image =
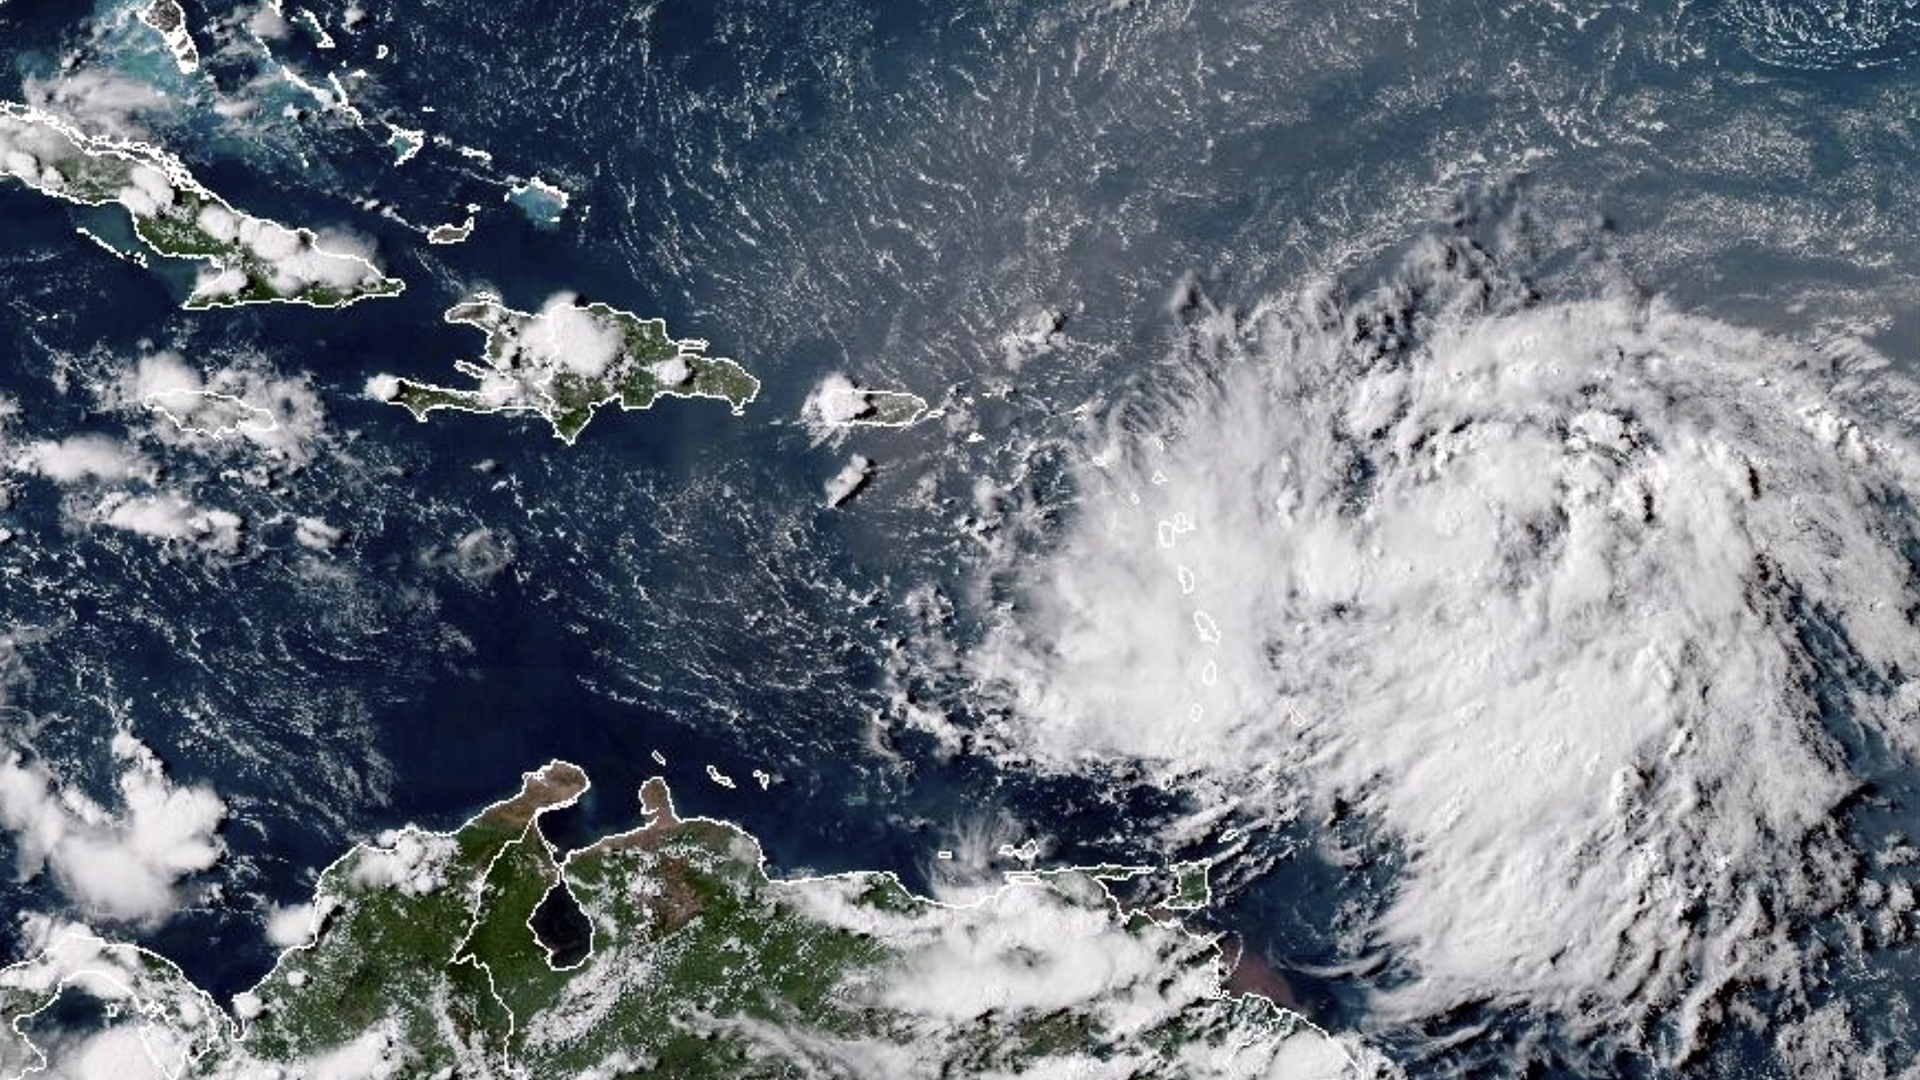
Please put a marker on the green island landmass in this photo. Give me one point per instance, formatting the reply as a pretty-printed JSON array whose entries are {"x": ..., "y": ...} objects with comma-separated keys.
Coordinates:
[
  {"x": 685, "y": 960},
  {"x": 890, "y": 408},
  {"x": 246, "y": 260},
  {"x": 569, "y": 359},
  {"x": 840, "y": 403}
]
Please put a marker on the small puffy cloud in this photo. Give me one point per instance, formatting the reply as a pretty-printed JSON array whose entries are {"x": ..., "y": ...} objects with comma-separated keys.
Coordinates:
[
  {"x": 220, "y": 281},
  {"x": 672, "y": 372},
  {"x": 849, "y": 480},
  {"x": 315, "y": 534},
  {"x": 1035, "y": 333},
  {"x": 477, "y": 557},
  {"x": 149, "y": 193},
  {"x": 267, "y": 239},
  {"x": 154, "y": 182},
  {"x": 383, "y": 387},
  {"x": 162, "y": 373},
  {"x": 219, "y": 222},
  {"x": 123, "y": 865},
  {"x": 267, "y": 24},
  {"x": 290, "y": 927},
  {"x": 344, "y": 243},
  {"x": 164, "y": 517}
]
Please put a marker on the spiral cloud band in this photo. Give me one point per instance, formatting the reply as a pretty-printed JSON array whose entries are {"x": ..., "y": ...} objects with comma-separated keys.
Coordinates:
[{"x": 1585, "y": 605}]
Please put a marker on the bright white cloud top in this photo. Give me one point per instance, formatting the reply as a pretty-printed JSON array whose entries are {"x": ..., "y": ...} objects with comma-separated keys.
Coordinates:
[
  {"x": 123, "y": 865},
  {"x": 838, "y": 403},
  {"x": 1575, "y": 604}
]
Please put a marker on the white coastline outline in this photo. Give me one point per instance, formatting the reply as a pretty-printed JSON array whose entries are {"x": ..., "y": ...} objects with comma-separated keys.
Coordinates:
[
  {"x": 235, "y": 1030},
  {"x": 689, "y": 349},
  {"x": 373, "y": 283}
]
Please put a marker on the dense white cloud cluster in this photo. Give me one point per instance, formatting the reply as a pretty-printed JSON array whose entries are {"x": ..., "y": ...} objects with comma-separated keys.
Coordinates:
[
  {"x": 80, "y": 458},
  {"x": 1051, "y": 945},
  {"x": 835, "y": 402},
  {"x": 1545, "y": 595},
  {"x": 123, "y": 865},
  {"x": 564, "y": 336}
]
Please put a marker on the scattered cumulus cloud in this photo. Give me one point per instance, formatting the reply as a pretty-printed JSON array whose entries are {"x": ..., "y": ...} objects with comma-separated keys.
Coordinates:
[
  {"x": 411, "y": 860},
  {"x": 240, "y": 405},
  {"x": 293, "y": 260},
  {"x": 155, "y": 1022}
]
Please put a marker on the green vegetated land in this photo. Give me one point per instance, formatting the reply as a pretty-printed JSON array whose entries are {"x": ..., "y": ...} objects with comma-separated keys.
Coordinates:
[
  {"x": 170, "y": 212},
  {"x": 519, "y": 376},
  {"x": 427, "y": 962},
  {"x": 892, "y": 408}
]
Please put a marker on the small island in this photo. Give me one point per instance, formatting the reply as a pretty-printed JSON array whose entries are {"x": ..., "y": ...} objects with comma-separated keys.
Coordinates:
[
  {"x": 451, "y": 233},
  {"x": 544, "y": 204},
  {"x": 246, "y": 260},
  {"x": 668, "y": 951},
  {"x": 839, "y": 403},
  {"x": 169, "y": 20},
  {"x": 569, "y": 359}
]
